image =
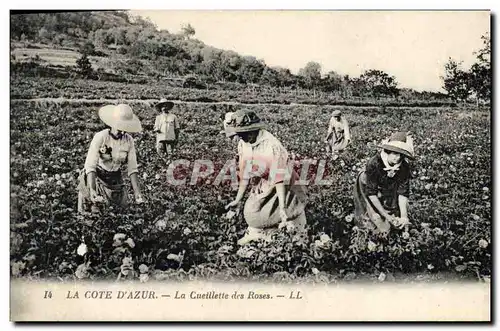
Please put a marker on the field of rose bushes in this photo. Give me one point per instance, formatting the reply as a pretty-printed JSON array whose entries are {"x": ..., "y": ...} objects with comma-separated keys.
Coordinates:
[
  {"x": 183, "y": 232},
  {"x": 44, "y": 87}
]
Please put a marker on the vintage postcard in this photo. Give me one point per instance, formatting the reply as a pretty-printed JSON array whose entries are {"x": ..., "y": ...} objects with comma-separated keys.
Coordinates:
[{"x": 289, "y": 165}]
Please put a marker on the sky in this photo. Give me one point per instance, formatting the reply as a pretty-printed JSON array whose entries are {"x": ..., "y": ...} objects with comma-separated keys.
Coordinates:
[{"x": 413, "y": 46}]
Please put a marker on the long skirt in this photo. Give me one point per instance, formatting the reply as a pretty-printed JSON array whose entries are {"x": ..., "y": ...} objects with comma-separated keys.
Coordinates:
[
  {"x": 261, "y": 209},
  {"x": 109, "y": 185},
  {"x": 365, "y": 214},
  {"x": 337, "y": 142}
]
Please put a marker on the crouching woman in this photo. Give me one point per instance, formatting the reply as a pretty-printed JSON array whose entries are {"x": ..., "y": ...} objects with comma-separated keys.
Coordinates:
[
  {"x": 381, "y": 191},
  {"x": 275, "y": 200}
]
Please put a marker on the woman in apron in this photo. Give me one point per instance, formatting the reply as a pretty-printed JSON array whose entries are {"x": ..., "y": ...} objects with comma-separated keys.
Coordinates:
[
  {"x": 110, "y": 151},
  {"x": 338, "y": 136},
  {"x": 275, "y": 200}
]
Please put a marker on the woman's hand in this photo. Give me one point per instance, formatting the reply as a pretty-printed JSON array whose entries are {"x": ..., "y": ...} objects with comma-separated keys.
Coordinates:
[
  {"x": 95, "y": 198},
  {"x": 404, "y": 222},
  {"x": 288, "y": 225},
  {"x": 232, "y": 204},
  {"x": 393, "y": 220},
  {"x": 139, "y": 199},
  {"x": 283, "y": 215},
  {"x": 285, "y": 223},
  {"x": 400, "y": 222}
]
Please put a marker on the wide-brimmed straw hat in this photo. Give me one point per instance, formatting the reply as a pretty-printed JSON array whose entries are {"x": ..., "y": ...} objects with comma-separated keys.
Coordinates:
[
  {"x": 166, "y": 103},
  {"x": 399, "y": 142},
  {"x": 336, "y": 113},
  {"x": 245, "y": 120},
  {"x": 120, "y": 117}
]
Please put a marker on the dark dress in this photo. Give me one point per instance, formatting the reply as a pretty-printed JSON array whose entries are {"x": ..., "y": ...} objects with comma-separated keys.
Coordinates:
[{"x": 374, "y": 180}]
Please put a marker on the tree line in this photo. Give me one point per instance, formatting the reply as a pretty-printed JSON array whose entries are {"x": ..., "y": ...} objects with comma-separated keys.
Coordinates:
[{"x": 474, "y": 82}]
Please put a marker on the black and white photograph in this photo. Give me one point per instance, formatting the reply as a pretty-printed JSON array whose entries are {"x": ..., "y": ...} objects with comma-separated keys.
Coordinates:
[{"x": 278, "y": 154}]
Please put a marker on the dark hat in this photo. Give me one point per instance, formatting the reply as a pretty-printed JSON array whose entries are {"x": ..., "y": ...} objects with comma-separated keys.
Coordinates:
[
  {"x": 245, "y": 120},
  {"x": 164, "y": 102}
]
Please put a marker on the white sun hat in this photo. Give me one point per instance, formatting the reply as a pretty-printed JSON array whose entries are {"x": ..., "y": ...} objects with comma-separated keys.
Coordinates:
[
  {"x": 120, "y": 117},
  {"x": 399, "y": 142}
]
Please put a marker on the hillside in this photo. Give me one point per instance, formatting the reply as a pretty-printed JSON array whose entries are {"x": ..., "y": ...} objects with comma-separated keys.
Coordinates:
[{"x": 130, "y": 49}]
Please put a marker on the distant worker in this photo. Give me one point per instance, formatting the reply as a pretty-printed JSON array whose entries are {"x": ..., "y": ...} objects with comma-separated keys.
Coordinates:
[
  {"x": 338, "y": 136},
  {"x": 167, "y": 129}
]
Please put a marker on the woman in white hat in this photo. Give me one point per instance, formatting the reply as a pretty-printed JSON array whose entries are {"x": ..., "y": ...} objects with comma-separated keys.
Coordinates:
[
  {"x": 382, "y": 189},
  {"x": 111, "y": 150},
  {"x": 274, "y": 201},
  {"x": 338, "y": 135},
  {"x": 167, "y": 128}
]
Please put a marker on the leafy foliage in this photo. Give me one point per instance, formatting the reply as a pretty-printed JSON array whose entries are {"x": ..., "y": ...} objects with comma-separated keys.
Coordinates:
[
  {"x": 84, "y": 66},
  {"x": 456, "y": 81},
  {"x": 460, "y": 84}
]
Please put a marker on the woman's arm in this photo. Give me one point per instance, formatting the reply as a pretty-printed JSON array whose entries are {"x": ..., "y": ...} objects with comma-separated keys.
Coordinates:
[
  {"x": 403, "y": 193},
  {"x": 373, "y": 175},
  {"x": 91, "y": 179},
  {"x": 132, "y": 171},
  {"x": 91, "y": 164},
  {"x": 177, "y": 128},
  {"x": 378, "y": 206},
  {"x": 134, "y": 181},
  {"x": 403, "y": 206},
  {"x": 280, "y": 189},
  {"x": 347, "y": 132},
  {"x": 157, "y": 124},
  {"x": 330, "y": 129},
  {"x": 241, "y": 192}
]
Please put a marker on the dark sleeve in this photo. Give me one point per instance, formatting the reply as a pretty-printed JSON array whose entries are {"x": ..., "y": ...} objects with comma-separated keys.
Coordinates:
[
  {"x": 372, "y": 177},
  {"x": 404, "y": 182}
]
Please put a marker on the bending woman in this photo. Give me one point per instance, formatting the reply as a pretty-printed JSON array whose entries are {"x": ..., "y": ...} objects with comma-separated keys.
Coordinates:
[
  {"x": 382, "y": 189},
  {"x": 338, "y": 136},
  {"x": 275, "y": 200},
  {"x": 110, "y": 150}
]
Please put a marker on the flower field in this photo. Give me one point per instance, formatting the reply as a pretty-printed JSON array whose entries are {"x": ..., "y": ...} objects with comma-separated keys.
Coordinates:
[
  {"x": 183, "y": 232},
  {"x": 43, "y": 87}
]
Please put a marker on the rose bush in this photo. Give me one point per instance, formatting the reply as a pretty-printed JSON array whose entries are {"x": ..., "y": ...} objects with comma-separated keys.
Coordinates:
[{"x": 183, "y": 232}]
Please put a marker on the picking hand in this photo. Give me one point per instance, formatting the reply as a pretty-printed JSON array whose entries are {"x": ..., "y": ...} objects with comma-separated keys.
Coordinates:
[
  {"x": 392, "y": 219},
  {"x": 283, "y": 215},
  {"x": 288, "y": 225},
  {"x": 139, "y": 200},
  {"x": 404, "y": 222},
  {"x": 232, "y": 204},
  {"x": 95, "y": 198}
]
